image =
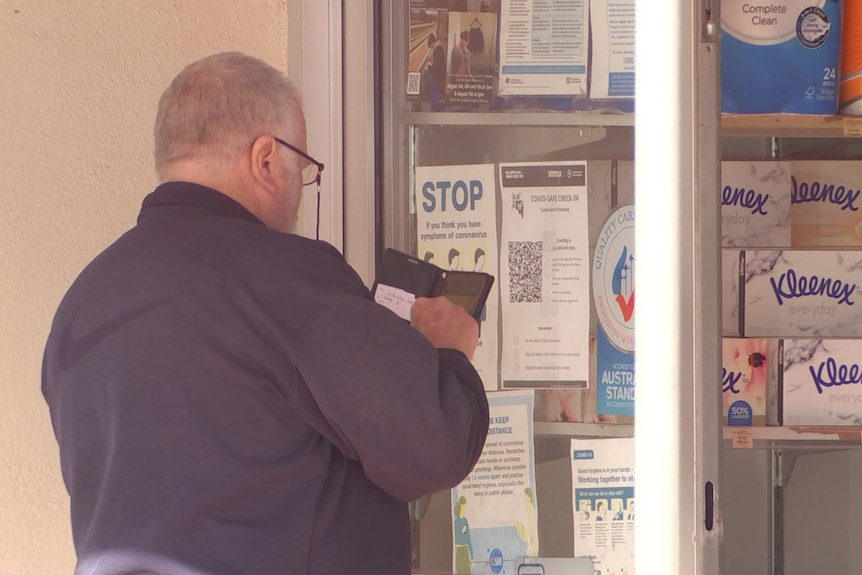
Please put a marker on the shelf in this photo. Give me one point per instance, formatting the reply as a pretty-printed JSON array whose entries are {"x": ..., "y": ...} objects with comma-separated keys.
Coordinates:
[
  {"x": 797, "y": 438},
  {"x": 790, "y": 125},
  {"x": 553, "y": 439},
  {"x": 515, "y": 118},
  {"x": 732, "y": 125},
  {"x": 581, "y": 430}
]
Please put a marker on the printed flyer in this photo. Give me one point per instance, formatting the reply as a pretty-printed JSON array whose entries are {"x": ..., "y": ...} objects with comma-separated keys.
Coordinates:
[
  {"x": 452, "y": 51},
  {"x": 494, "y": 514},
  {"x": 603, "y": 499},
  {"x": 612, "y": 69},
  {"x": 545, "y": 275},
  {"x": 544, "y": 47},
  {"x": 456, "y": 212}
]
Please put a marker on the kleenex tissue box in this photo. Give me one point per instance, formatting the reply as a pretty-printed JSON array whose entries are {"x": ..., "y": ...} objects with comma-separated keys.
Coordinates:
[
  {"x": 745, "y": 369},
  {"x": 799, "y": 293},
  {"x": 730, "y": 262},
  {"x": 755, "y": 204},
  {"x": 826, "y": 203},
  {"x": 821, "y": 382}
]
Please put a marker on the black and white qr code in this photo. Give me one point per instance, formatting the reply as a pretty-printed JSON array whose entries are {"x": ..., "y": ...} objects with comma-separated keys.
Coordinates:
[
  {"x": 525, "y": 272},
  {"x": 413, "y": 83}
]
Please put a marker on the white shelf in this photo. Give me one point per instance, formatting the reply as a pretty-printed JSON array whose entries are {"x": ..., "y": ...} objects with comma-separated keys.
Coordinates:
[
  {"x": 516, "y": 118},
  {"x": 732, "y": 125},
  {"x": 552, "y": 438},
  {"x": 582, "y": 430},
  {"x": 790, "y": 125},
  {"x": 820, "y": 438}
]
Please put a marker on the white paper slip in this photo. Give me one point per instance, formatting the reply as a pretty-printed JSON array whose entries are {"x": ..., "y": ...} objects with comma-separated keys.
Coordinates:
[{"x": 395, "y": 299}]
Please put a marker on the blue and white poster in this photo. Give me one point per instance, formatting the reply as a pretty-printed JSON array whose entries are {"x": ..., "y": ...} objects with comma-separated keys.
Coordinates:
[
  {"x": 603, "y": 499},
  {"x": 494, "y": 514},
  {"x": 456, "y": 217},
  {"x": 544, "y": 47},
  {"x": 614, "y": 298}
]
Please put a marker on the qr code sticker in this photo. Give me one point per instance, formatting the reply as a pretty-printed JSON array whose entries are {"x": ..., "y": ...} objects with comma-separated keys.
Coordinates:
[
  {"x": 525, "y": 272},
  {"x": 413, "y": 83}
]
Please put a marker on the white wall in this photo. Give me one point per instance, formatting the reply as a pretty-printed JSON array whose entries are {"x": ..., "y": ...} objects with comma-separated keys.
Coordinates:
[{"x": 79, "y": 84}]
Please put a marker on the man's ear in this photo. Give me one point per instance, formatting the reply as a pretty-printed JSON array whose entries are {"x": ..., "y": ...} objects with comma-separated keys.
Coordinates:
[{"x": 265, "y": 165}]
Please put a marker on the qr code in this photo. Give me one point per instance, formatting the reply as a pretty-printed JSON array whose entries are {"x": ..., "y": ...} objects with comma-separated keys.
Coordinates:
[
  {"x": 525, "y": 272},
  {"x": 413, "y": 83}
]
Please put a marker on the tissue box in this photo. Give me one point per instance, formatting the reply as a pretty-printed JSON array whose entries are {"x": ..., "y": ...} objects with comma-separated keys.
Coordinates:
[
  {"x": 826, "y": 204},
  {"x": 755, "y": 204},
  {"x": 730, "y": 262},
  {"x": 745, "y": 365},
  {"x": 798, "y": 293},
  {"x": 821, "y": 382}
]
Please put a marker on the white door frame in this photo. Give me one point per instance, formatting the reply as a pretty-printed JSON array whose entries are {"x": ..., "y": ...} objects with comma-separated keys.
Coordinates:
[{"x": 330, "y": 46}]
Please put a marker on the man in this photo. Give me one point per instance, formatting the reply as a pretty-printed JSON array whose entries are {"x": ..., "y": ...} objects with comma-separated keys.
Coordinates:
[
  {"x": 460, "y": 60},
  {"x": 434, "y": 75},
  {"x": 227, "y": 398}
]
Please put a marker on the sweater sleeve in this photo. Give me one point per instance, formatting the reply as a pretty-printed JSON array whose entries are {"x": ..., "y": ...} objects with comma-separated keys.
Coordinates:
[{"x": 414, "y": 416}]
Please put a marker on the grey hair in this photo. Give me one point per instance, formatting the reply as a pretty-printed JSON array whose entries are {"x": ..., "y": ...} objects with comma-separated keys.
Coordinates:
[{"x": 219, "y": 105}]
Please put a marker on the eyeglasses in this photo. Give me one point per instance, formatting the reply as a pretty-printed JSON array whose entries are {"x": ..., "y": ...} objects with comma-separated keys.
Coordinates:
[
  {"x": 310, "y": 175},
  {"x": 311, "y": 172}
]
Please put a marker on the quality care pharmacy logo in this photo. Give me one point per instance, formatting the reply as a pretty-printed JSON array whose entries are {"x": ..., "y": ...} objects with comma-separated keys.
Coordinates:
[{"x": 614, "y": 278}]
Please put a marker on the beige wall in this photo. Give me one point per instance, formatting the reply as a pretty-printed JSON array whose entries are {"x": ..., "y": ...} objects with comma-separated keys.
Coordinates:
[{"x": 79, "y": 83}]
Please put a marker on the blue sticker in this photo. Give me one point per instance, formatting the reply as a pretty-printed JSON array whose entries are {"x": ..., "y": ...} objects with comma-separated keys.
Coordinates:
[
  {"x": 496, "y": 561},
  {"x": 740, "y": 414}
]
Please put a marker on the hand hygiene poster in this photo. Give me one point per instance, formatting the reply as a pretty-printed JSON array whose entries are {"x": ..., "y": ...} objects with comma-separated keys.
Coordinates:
[
  {"x": 543, "y": 47},
  {"x": 456, "y": 209},
  {"x": 545, "y": 275},
  {"x": 603, "y": 500},
  {"x": 494, "y": 514}
]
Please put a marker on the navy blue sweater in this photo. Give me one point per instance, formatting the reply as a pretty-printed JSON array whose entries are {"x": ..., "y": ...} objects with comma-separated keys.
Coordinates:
[{"x": 228, "y": 399}]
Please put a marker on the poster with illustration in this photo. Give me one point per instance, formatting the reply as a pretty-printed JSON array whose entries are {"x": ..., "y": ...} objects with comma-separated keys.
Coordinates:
[
  {"x": 495, "y": 519},
  {"x": 603, "y": 499},
  {"x": 456, "y": 218},
  {"x": 452, "y": 51}
]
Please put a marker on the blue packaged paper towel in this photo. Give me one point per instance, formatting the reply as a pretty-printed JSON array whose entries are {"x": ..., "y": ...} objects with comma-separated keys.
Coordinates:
[{"x": 780, "y": 57}]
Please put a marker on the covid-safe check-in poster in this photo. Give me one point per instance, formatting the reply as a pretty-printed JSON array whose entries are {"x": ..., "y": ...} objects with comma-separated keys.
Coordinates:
[
  {"x": 456, "y": 219},
  {"x": 545, "y": 275}
]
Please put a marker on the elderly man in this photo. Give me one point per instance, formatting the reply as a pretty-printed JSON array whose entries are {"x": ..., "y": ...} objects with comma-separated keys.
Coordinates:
[{"x": 226, "y": 396}]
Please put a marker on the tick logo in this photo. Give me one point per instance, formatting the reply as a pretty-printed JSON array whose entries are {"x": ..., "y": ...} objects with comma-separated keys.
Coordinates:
[
  {"x": 623, "y": 284},
  {"x": 613, "y": 279}
]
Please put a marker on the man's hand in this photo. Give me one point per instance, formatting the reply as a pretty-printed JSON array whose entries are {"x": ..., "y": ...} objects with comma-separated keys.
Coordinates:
[{"x": 445, "y": 324}]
